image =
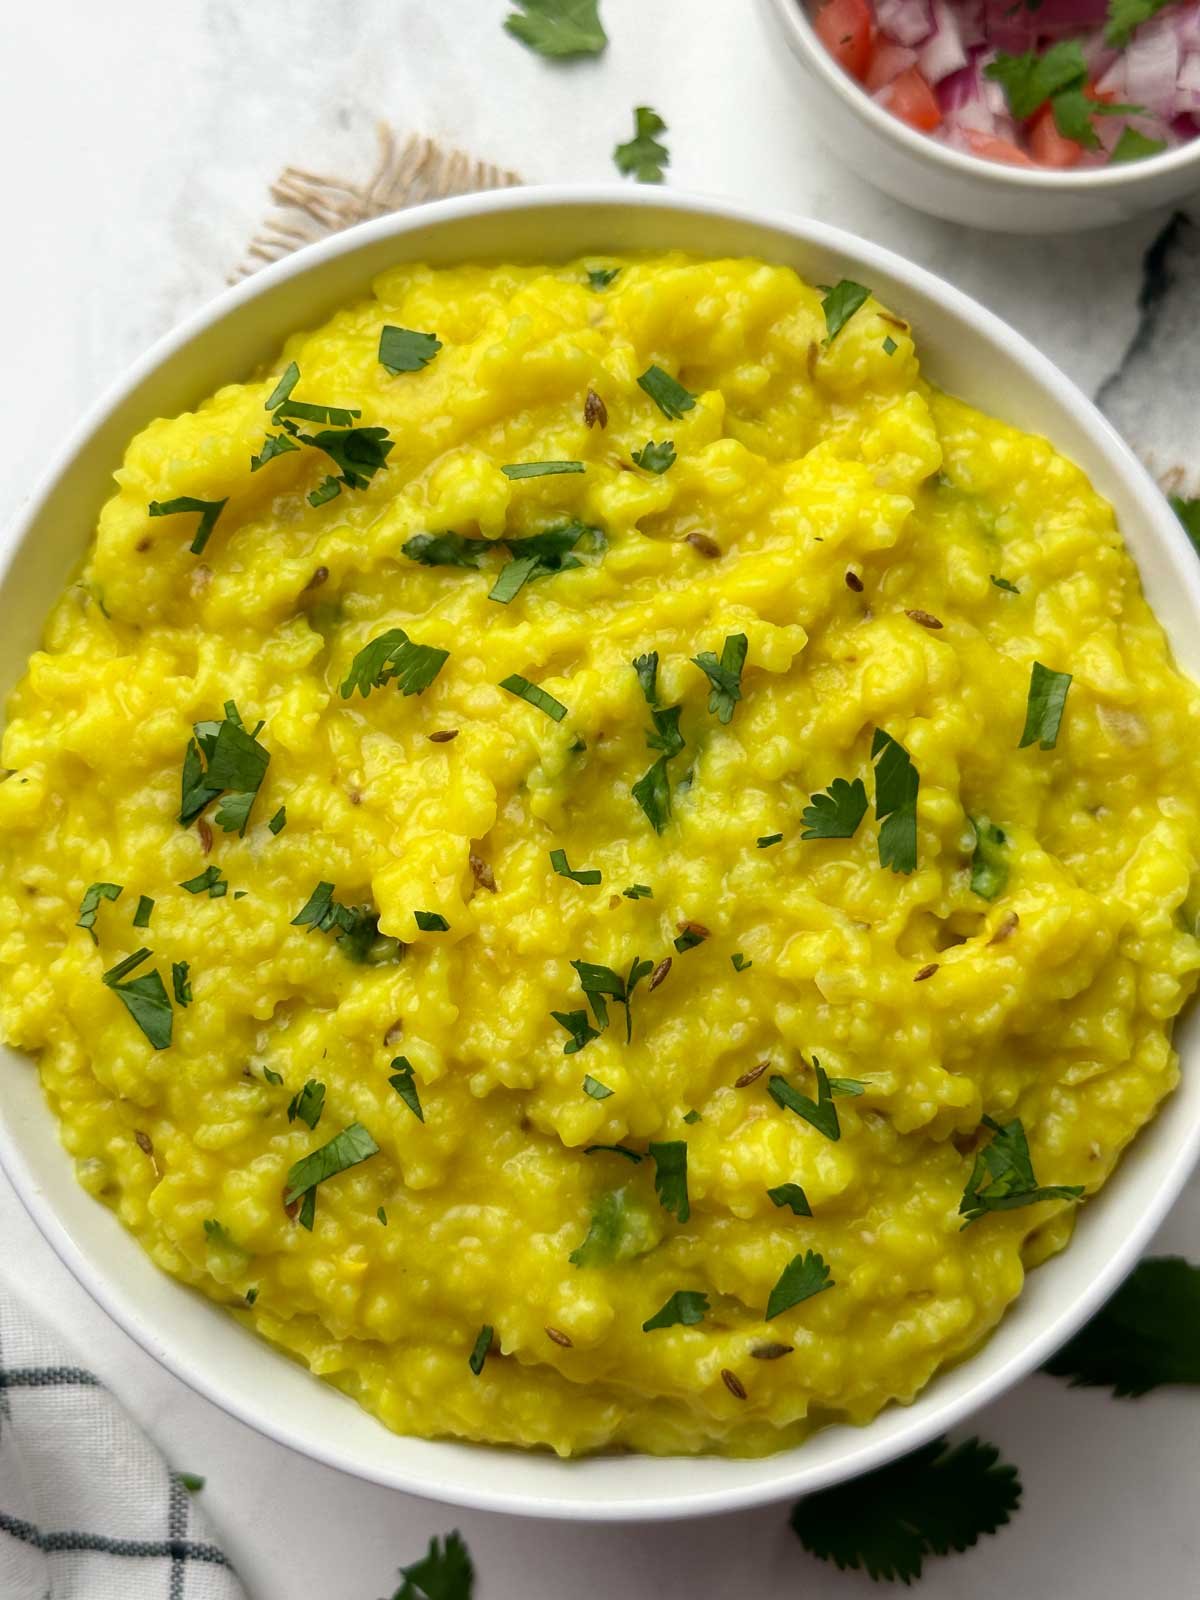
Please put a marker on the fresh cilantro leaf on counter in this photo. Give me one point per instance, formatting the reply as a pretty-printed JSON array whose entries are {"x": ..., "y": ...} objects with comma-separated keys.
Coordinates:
[
  {"x": 839, "y": 305},
  {"x": 308, "y": 1104},
  {"x": 1126, "y": 15},
  {"x": 685, "y": 1308},
  {"x": 558, "y": 860},
  {"x": 144, "y": 998},
  {"x": 209, "y": 511},
  {"x": 541, "y": 469},
  {"x": 403, "y": 350},
  {"x": 90, "y": 905},
  {"x": 897, "y": 783},
  {"x": 145, "y": 907},
  {"x": 1003, "y": 583},
  {"x": 580, "y": 1029},
  {"x": 989, "y": 863},
  {"x": 670, "y": 1176},
  {"x": 524, "y": 690},
  {"x": 600, "y": 277},
  {"x": 558, "y": 28},
  {"x": 644, "y": 156},
  {"x": 181, "y": 984},
  {"x": 209, "y": 882},
  {"x": 1044, "y": 709},
  {"x": 668, "y": 394},
  {"x": 803, "y": 1277},
  {"x": 1188, "y": 512},
  {"x": 597, "y": 1090},
  {"x": 724, "y": 675},
  {"x": 344, "y": 1150},
  {"x": 431, "y": 922},
  {"x": 1002, "y": 1178},
  {"x": 1134, "y": 146},
  {"x": 792, "y": 1196},
  {"x": 821, "y": 1112},
  {"x": 657, "y": 458},
  {"x": 836, "y": 812},
  {"x": 1148, "y": 1334},
  {"x": 403, "y": 1081},
  {"x": 478, "y": 1356},
  {"x": 394, "y": 655},
  {"x": 445, "y": 1572},
  {"x": 933, "y": 1501},
  {"x": 446, "y": 550},
  {"x": 223, "y": 758},
  {"x": 646, "y": 668}
]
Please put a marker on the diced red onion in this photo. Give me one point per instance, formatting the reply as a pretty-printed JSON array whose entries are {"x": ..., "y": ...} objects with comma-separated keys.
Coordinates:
[
  {"x": 1152, "y": 66},
  {"x": 908, "y": 22},
  {"x": 942, "y": 53},
  {"x": 887, "y": 63},
  {"x": 1187, "y": 86}
]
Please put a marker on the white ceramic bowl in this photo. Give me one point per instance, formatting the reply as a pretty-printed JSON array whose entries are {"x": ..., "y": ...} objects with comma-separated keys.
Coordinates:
[
  {"x": 963, "y": 188},
  {"x": 965, "y": 349}
]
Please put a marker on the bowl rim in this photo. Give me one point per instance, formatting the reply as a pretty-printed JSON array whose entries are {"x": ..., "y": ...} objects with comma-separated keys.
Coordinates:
[
  {"x": 793, "y": 16},
  {"x": 785, "y": 1474}
]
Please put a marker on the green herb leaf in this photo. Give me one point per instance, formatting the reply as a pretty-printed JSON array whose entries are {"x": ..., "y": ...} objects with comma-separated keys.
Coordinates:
[
  {"x": 1030, "y": 80},
  {"x": 541, "y": 469},
  {"x": 933, "y": 1501},
  {"x": 613, "y": 1150},
  {"x": 1044, "y": 709},
  {"x": 394, "y": 655},
  {"x": 344, "y": 1150},
  {"x": 644, "y": 156},
  {"x": 558, "y": 860},
  {"x": 1003, "y": 583},
  {"x": 577, "y": 1025},
  {"x": 540, "y": 556},
  {"x": 308, "y": 1104},
  {"x": 889, "y": 345},
  {"x": 692, "y": 1116},
  {"x": 652, "y": 792},
  {"x": 836, "y": 812},
  {"x": 685, "y": 1308},
  {"x": 382, "y": 1215},
  {"x": 446, "y": 550},
  {"x": 181, "y": 984},
  {"x": 724, "y": 675},
  {"x": 689, "y": 939},
  {"x": 803, "y": 1277},
  {"x": 279, "y": 821},
  {"x": 989, "y": 863},
  {"x": 1134, "y": 146},
  {"x": 620, "y": 1230},
  {"x": 897, "y": 783},
  {"x": 821, "y": 1112},
  {"x": 328, "y": 489},
  {"x": 524, "y": 690},
  {"x": 319, "y": 911},
  {"x": 657, "y": 458},
  {"x": 209, "y": 511},
  {"x": 670, "y": 1176},
  {"x": 402, "y": 350},
  {"x": 839, "y": 305},
  {"x": 358, "y": 453},
  {"x": 593, "y": 1086},
  {"x": 283, "y": 389},
  {"x": 223, "y": 756},
  {"x": 740, "y": 964},
  {"x": 141, "y": 917},
  {"x": 1002, "y": 1178},
  {"x": 90, "y": 904},
  {"x": 600, "y": 277},
  {"x": 275, "y": 444},
  {"x": 479, "y": 1353},
  {"x": 1188, "y": 512},
  {"x": 668, "y": 394},
  {"x": 666, "y": 735},
  {"x": 768, "y": 839},
  {"x": 638, "y": 891},
  {"x": 308, "y": 411},
  {"x": 189, "y": 1480},
  {"x": 444, "y": 1573},
  {"x": 431, "y": 922},
  {"x": 208, "y": 882},
  {"x": 792, "y": 1196},
  {"x": 846, "y": 1087},
  {"x": 308, "y": 1210},
  {"x": 558, "y": 28},
  {"x": 646, "y": 668},
  {"x": 404, "y": 1081},
  {"x": 1126, "y": 15},
  {"x": 1148, "y": 1334},
  {"x": 601, "y": 984},
  {"x": 144, "y": 998}
]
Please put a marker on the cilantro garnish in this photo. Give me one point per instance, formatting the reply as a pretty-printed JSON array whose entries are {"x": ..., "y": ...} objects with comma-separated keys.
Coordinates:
[
  {"x": 403, "y": 350},
  {"x": 181, "y": 984},
  {"x": 740, "y": 963},
  {"x": 766, "y": 840},
  {"x": 792, "y": 1196},
  {"x": 889, "y": 345},
  {"x": 479, "y": 1352},
  {"x": 309, "y": 411},
  {"x": 685, "y": 1308},
  {"x": 933, "y": 1501},
  {"x": 692, "y": 1116},
  {"x": 540, "y": 556},
  {"x": 382, "y": 1215},
  {"x": 839, "y": 305},
  {"x": 989, "y": 863},
  {"x": 896, "y": 785},
  {"x": 394, "y": 655},
  {"x": 638, "y": 891},
  {"x": 803, "y": 1277},
  {"x": 283, "y": 389},
  {"x": 358, "y": 454},
  {"x": 308, "y": 1104},
  {"x": 209, "y": 511},
  {"x": 1134, "y": 146},
  {"x": 1030, "y": 80},
  {"x": 580, "y": 1029},
  {"x": 279, "y": 821},
  {"x": 1148, "y": 1334},
  {"x": 1188, "y": 512},
  {"x": 558, "y": 860},
  {"x": 541, "y": 469},
  {"x": 223, "y": 759},
  {"x": 328, "y": 489},
  {"x": 657, "y": 458},
  {"x": 344, "y": 1150},
  {"x": 620, "y": 1229},
  {"x": 446, "y": 550},
  {"x": 217, "y": 1233},
  {"x": 275, "y": 444},
  {"x": 431, "y": 922},
  {"x": 670, "y": 1176},
  {"x": 445, "y": 1572},
  {"x": 666, "y": 736},
  {"x": 144, "y": 998},
  {"x": 597, "y": 1090},
  {"x": 613, "y": 1150},
  {"x": 644, "y": 156},
  {"x": 821, "y": 1112},
  {"x": 524, "y": 690},
  {"x": 724, "y": 675},
  {"x": 145, "y": 906},
  {"x": 1126, "y": 15},
  {"x": 403, "y": 1080},
  {"x": 646, "y": 668},
  {"x": 1002, "y": 1178},
  {"x": 836, "y": 812},
  {"x": 558, "y": 28},
  {"x": 652, "y": 792},
  {"x": 90, "y": 904},
  {"x": 600, "y": 277},
  {"x": 208, "y": 882},
  {"x": 668, "y": 394},
  {"x": 358, "y": 938},
  {"x": 690, "y": 937},
  {"x": 601, "y": 984},
  {"x": 1003, "y": 583},
  {"x": 1044, "y": 709}
]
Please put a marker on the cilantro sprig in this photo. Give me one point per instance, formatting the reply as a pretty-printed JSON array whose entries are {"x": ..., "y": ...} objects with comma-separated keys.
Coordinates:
[
  {"x": 644, "y": 156},
  {"x": 836, "y": 812},
  {"x": 1147, "y": 1335},
  {"x": 897, "y": 784},
  {"x": 839, "y": 305},
  {"x": 821, "y": 1112},
  {"x": 670, "y": 1177},
  {"x": 601, "y": 984},
  {"x": 558, "y": 28},
  {"x": 668, "y": 394},
  {"x": 393, "y": 655},
  {"x": 144, "y": 998},
  {"x": 405, "y": 350},
  {"x": 345, "y": 1150},
  {"x": 802, "y": 1278},
  {"x": 725, "y": 675},
  {"x": 1002, "y": 1178},
  {"x": 223, "y": 759},
  {"x": 684, "y": 1309}
]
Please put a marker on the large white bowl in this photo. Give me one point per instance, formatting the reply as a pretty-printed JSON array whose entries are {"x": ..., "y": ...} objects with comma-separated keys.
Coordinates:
[
  {"x": 965, "y": 349},
  {"x": 965, "y": 188}
]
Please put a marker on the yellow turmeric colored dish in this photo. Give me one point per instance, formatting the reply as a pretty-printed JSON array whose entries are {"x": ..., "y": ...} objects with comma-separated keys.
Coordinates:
[{"x": 596, "y": 860}]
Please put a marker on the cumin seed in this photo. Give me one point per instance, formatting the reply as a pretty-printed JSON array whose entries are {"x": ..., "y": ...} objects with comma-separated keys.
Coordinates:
[
  {"x": 560, "y": 1337},
  {"x": 144, "y": 1142},
  {"x": 1007, "y": 927},
  {"x": 703, "y": 545},
  {"x": 772, "y": 1352},
  {"x": 318, "y": 578},
  {"x": 443, "y": 736},
  {"x": 206, "y": 835},
  {"x": 733, "y": 1383},
  {"x": 748, "y": 1078},
  {"x": 697, "y": 928},
  {"x": 594, "y": 410},
  {"x": 853, "y": 581},
  {"x": 924, "y": 618},
  {"x": 926, "y": 972},
  {"x": 659, "y": 973},
  {"x": 291, "y": 1209},
  {"x": 484, "y": 876}
]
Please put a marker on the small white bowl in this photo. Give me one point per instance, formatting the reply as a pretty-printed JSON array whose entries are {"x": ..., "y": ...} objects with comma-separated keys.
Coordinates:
[
  {"x": 964, "y": 349},
  {"x": 963, "y": 188}
]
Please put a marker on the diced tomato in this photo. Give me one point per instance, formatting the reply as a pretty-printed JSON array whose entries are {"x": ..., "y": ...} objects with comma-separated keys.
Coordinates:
[
  {"x": 992, "y": 148},
  {"x": 912, "y": 100},
  {"x": 1048, "y": 147},
  {"x": 888, "y": 61},
  {"x": 844, "y": 27}
]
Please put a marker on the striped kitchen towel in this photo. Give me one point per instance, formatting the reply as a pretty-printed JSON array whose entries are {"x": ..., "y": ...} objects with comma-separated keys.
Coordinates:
[{"x": 89, "y": 1510}]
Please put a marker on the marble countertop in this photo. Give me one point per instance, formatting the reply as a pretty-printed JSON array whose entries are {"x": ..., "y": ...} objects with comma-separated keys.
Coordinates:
[{"x": 142, "y": 142}]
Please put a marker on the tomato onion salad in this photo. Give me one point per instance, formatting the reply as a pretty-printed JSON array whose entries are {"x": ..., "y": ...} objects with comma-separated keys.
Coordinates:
[{"x": 1033, "y": 83}]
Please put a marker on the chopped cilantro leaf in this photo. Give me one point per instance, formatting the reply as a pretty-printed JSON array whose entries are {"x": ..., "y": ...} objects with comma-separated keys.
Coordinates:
[
  {"x": 724, "y": 675},
  {"x": 144, "y": 998},
  {"x": 792, "y": 1196},
  {"x": 1044, "y": 709},
  {"x": 597, "y": 1090},
  {"x": 541, "y": 469},
  {"x": 382, "y": 1215},
  {"x": 601, "y": 984},
  {"x": 431, "y": 922},
  {"x": 889, "y": 345},
  {"x": 652, "y": 792},
  {"x": 620, "y": 1230},
  {"x": 685, "y": 1308},
  {"x": 403, "y": 1080},
  {"x": 933, "y": 1501},
  {"x": 1030, "y": 80},
  {"x": 646, "y": 668},
  {"x": 1003, "y": 583},
  {"x": 90, "y": 904},
  {"x": 1002, "y": 1178},
  {"x": 182, "y": 986},
  {"x": 1126, "y": 15},
  {"x": 821, "y": 1112},
  {"x": 328, "y": 489},
  {"x": 275, "y": 444},
  {"x": 740, "y": 963},
  {"x": 897, "y": 783},
  {"x": 670, "y": 1176},
  {"x": 540, "y": 556},
  {"x": 803, "y": 1277},
  {"x": 209, "y": 511},
  {"x": 638, "y": 891},
  {"x": 279, "y": 821},
  {"x": 657, "y": 458},
  {"x": 836, "y": 812},
  {"x": 189, "y": 1480},
  {"x": 577, "y": 1025},
  {"x": 308, "y": 1104},
  {"x": 222, "y": 756},
  {"x": 145, "y": 906},
  {"x": 358, "y": 453},
  {"x": 479, "y": 1352},
  {"x": 600, "y": 277},
  {"x": 989, "y": 863},
  {"x": 1133, "y": 146},
  {"x": 644, "y": 156},
  {"x": 403, "y": 350},
  {"x": 839, "y": 305},
  {"x": 307, "y": 411},
  {"x": 1148, "y": 1334},
  {"x": 558, "y": 860},
  {"x": 218, "y": 1234},
  {"x": 524, "y": 690},
  {"x": 691, "y": 1116},
  {"x": 690, "y": 938},
  {"x": 446, "y": 550},
  {"x": 208, "y": 882},
  {"x": 612, "y": 1150},
  {"x": 394, "y": 655},
  {"x": 666, "y": 736},
  {"x": 557, "y": 28},
  {"x": 668, "y": 394},
  {"x": 344, "y": 1150},
  {"x": 1188, "y": 512},
  {"x": 283, "y": 389},
  {"x": 766, "y": 840},
  {"x": 358, "y": 938}
]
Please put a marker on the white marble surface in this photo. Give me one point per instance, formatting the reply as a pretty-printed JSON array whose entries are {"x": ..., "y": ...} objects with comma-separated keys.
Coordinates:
[{"x": 140, "y": 140}]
